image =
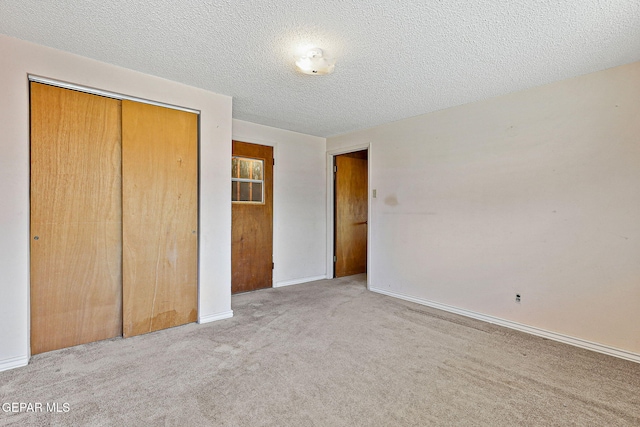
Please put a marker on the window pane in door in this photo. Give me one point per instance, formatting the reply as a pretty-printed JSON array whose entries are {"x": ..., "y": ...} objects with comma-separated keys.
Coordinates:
[
  {"x": 257, "y": 169},
  {"x": 245, "y": 189},
  {"x": 234, "y": 167},
  {"x": 247, "y": 177},
  {"x": 235, "y": 194},
  {"x": 256, "y": 192},
  {"x": 244, "y": 168}
]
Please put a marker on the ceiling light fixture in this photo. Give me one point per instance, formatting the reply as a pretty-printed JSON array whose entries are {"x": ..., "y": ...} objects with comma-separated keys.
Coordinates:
[{"x": 314, "y": 62}]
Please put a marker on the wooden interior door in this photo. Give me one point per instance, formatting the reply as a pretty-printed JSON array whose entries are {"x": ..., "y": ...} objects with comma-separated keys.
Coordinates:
[
  {"x": 252, "y": 217},
  {"x": 160, "y": 217},
  {"x": 76, "y": 235},
  {"x": 351, "y": 210}
]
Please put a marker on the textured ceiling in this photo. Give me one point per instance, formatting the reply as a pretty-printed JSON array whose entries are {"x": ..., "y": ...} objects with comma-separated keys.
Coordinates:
[{"x": 395, "y": 59}]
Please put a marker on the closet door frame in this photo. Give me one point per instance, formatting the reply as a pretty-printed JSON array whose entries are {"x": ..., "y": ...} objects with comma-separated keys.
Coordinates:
[{"x": 118, "y": 96}]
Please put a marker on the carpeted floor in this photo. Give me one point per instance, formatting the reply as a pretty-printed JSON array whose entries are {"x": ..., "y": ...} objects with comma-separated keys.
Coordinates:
[{"x": 327, "y": 353}]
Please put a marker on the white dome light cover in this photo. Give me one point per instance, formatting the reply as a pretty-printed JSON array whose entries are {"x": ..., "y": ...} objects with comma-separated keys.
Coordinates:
[{"x": 313, "y": 62}]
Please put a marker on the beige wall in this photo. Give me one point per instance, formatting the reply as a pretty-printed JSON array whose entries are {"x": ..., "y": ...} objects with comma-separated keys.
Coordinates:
[
  {"x": 20, "y": 58},
  {"x": 536, "y": 192}
]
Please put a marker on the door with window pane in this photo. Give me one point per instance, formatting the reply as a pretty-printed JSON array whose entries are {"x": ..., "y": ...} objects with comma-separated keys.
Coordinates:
[{"x": 252, "y": 217}]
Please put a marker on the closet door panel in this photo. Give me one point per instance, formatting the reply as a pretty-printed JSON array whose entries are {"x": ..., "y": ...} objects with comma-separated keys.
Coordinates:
[
  {"x": 76, "y": 234},
  {"x": 160, "y": 216}
]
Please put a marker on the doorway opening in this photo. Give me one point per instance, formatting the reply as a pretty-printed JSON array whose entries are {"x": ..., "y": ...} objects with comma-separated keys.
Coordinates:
[{"x": 350, "y": 213}]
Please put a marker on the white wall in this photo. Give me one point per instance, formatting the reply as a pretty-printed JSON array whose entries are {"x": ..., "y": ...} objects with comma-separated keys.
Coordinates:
[
  {"x": 536, "y": 192},
  {"x": 20, "y": 58},
  {"x": 299, "y": 222}
]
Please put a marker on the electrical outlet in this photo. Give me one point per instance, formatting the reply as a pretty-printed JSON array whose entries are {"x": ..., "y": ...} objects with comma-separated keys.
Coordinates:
[{"x": 518, "y": 298}]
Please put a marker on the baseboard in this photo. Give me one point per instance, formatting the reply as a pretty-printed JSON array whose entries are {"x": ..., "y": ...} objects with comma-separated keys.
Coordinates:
[
  {"x": 298, "y": 281},
  {"x": 14, "y": 362},
  {"x": 213, "y": 317},
  {"x": 577, "y": 342}
]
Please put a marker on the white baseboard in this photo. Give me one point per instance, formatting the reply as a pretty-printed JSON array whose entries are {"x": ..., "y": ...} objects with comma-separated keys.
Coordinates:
[
  {"x": 213, "y": 317},
  {"x": 14, "y": 362},
  {"x": 298, "y": 281},
  {"x": 577, "y": 342}
]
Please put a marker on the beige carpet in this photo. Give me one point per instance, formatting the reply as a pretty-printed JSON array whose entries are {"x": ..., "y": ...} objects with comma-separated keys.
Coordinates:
[{"x": 327, "y": 353}]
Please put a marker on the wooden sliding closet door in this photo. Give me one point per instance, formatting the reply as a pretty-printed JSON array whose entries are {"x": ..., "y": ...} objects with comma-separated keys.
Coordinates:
[
  {"x": 76, "y": 230},
  {"x": 159, "y": 217}
]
